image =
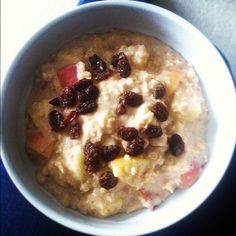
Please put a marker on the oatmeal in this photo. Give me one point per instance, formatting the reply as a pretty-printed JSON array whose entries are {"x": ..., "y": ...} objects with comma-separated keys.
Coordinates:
[{"x": 116, "y": 122}]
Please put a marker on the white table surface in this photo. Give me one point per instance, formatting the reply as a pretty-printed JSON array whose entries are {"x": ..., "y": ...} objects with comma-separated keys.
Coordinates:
[{"x": 20, "y": 19}]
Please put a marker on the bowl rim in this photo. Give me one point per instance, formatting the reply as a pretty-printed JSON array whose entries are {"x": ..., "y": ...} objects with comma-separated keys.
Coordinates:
[{"x": 39, "y": 205}]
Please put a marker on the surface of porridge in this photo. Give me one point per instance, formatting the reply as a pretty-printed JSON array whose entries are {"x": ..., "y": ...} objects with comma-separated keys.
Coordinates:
[{"x": 116, "y": 122}]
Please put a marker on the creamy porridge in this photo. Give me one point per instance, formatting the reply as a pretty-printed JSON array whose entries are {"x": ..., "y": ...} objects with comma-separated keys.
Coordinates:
[{"x": 116, "y": 122}]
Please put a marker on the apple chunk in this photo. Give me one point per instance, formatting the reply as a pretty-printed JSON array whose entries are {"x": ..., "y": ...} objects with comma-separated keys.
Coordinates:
[{"x": 38, "y": 143}]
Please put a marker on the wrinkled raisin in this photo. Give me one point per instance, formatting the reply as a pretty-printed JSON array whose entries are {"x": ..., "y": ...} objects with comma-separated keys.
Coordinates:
[
  {"x": 152, "y": 131},
  {"x": 135, "y": 147},
  {"x": 127, "y": 133},
  {"x": 123, "y": 67},
  {"x": 89, "y": 93},
  {"x": 82, "y": 84},
  {"x": 92, "y": 157},
  {"x": 68, "y": 97},
  {"x": 121, "y": 109},
  {"x": 121, "y": 64},
  {"x": 159, "y": 91},
  {"x": 176, "y": 145},
  {"x": 107, "y": 180},
  {"x": 69, "y": 118},
  {"x": 96, "y": 65},
  {"x": 160, "y": 111},
  {"x": 109, "y": 153},
  {"x": 132, "y": 99},
  {"x": 74, "y": 131},
  {"x": 86, "y": 107},
  {"x": 55, "y": 119},
  {"x": 117, "y": 57},
  {"x": 55, "y": 101},
  {"x": 102, "y": 76},
  {"x": 92, "y": 165}
]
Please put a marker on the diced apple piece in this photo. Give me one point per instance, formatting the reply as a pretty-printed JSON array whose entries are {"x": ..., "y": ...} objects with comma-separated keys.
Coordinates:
[
  {"x": 174, "y": 79},
  {"x": 138, "y": 55},
  {"x": 190, "y": 177},
  {"x": 128, "y": 169},
  {"x": 67, "y": 75},
  {"x": 149, "y": 199},
  {"x": 39, "y": 144},
  {"x": 74, "y": 160},
  {"x": 186, "y": 105}
]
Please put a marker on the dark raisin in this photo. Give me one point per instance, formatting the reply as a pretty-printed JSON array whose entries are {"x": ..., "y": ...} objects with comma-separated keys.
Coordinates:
[
  {"x": 102, "y": 76},
  {"x": 69, "y": 118},
  {"x": 121, "y": 109},
  {"x": 92, "y": 165},
  {"x": 82, "y": 84},
  {"x": 107, "y": 180},
  {"x": 123, "y": 67},
  {"x": 135, "y": 147},
  {"x": 152, "y": 131},
  {"x": 86, "y": 107},
  {"x": 160, "y": 111},
  {"x": 74, "y": 130},
  {"x": 109, "y": 153},
  {"x": 55, "y": 101},
  {"x": 96, "y": 65},
  {"x": 117, "y": 57},
  {"x": 176, "y": 145},
  {"x": 127, "y": 133},
  {"x": 89, "y": 93},
  {"x": 132, "y": 99},
  {"x": 55, "y": 120},
  {"x": 68, "y": 97},
  {"x": 159, "y": 91},
  {"x": 92, "y": 157}
]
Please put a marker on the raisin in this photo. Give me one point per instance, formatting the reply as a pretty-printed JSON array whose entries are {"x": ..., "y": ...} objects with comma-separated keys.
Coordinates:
[
  {"x": 107, "y": 180},
  {"x": 102, "y": 76},
  {"x": 96, "y": 65},
  {"x": 83, "y": 84},
  {"x": 92, "y": 166},
  {"x": 109, "y": 153},
  {"x": 135, "y": 147},
  {"x": 121, "y": 109},
  {"x": 152, "y": 131},
  {"x": 127, "y": 133},
  {"x": 92, "y": 157},
  {"x": 86, "y": 107},
  {"x": 121, "y": 64},
  {"x": 90, "y": 93},
  {"x": 68, "y": 97},
  {"x": 176, "y": 145},
  {"x": 55, "y": 120},
  {"x": 69, "y": 118},
  {"x": 117, "y": 57},
  {"x": 74, "y": 131},
  {"x": 160, "y": 111},
  {"x": 55, "y": 101},
  {"x": 123, "y": 67},
  {"x": 159, "y": 91},
  {"x": 132, "y": 99}
]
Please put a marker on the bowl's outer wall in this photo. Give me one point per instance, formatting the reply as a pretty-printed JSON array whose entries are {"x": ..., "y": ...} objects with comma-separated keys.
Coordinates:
[{"x": 99, "y": 17}]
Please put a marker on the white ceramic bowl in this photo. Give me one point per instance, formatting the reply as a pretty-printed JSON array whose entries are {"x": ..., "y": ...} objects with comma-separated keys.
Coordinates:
[{"x": 144, "y": 18}]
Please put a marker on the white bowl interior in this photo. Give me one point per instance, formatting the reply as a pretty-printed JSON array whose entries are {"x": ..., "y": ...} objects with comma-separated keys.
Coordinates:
[{"x": 139, "y": 17}]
